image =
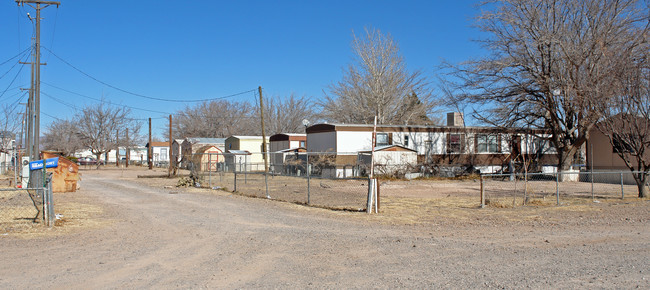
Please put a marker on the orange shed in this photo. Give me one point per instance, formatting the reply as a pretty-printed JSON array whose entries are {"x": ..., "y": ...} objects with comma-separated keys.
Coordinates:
[{"x": 64, "y": 176}]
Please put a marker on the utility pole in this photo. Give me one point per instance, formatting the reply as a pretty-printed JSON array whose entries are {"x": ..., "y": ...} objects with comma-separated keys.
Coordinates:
[
  {"x": 117, "y": 149},
  {"x": 266, "y": 159},
  {"x": 171, "y": 166},
  {"x": 149, "y": 149},
  {"x": 128, "y": 150},
  {"x": 36, "y": 81}
]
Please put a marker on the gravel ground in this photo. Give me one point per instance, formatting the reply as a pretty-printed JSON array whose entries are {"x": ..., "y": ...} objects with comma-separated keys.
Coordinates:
[{"x": 118, "y": 232}]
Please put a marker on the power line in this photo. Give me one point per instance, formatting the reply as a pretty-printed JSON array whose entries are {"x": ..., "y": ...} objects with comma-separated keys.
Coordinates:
[
  {"x": 13, "y": 80},
  {"x": 100, "y": 100},
  {"x": 141, "y": 95},
  {"x": 17, "y": 55},
  {"x": 61, "y": 101}
]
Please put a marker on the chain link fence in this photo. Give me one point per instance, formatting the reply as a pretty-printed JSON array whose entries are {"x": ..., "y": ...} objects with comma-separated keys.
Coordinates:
[
  {"x": 510, "y": 190},
  {"x": 25, "y": 207},
  {"x": 297, "y": 177}
]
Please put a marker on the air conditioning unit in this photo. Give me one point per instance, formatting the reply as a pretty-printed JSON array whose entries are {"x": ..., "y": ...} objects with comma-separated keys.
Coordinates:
[{"x": 24, "y": 162}]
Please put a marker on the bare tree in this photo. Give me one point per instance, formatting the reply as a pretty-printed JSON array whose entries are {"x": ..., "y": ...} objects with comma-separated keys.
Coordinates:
[
  {"x": 285, "y": 115},
  {"x": 378, "y": 84},
  {"x": 61, "y": 135},
  {"x": 216, "y": 119},
  {"x": 9, "y": 126},
  {"x": 98, "y": 125},
  {"x": 551, "y": 63},
  {"x": 627, "y": 123}
]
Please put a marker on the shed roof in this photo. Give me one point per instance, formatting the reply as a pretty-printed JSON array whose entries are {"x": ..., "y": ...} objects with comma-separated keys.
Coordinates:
[
  {"x": 239, "y": 152},
  {"x": 199, "y": 140},
  {"x": 390, "y": 148},
  {"x": 158, "y": 144},
  {"x": 288, "y": 136}
]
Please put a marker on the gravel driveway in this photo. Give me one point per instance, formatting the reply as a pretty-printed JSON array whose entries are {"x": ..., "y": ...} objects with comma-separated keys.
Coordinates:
[{"x": 149, "y": 237}]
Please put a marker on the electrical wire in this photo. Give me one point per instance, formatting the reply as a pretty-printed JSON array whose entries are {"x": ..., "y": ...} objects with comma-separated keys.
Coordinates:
[
  {"x": 12, "y": 81},
  {"x": 15, "y": 56},
  {"x": 60, "y": 101},
  {"x": 100, "y": 100},
  {"x": 141, "y": 95},
  {"x": 56, "y": 18}
]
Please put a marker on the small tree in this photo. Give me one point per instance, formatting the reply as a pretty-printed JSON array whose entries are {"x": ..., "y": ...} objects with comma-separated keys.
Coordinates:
[{"x": 627, "y": 124}]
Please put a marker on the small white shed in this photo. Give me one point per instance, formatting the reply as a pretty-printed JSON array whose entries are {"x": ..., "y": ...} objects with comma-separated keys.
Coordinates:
[{"x": 390, "y": 159}]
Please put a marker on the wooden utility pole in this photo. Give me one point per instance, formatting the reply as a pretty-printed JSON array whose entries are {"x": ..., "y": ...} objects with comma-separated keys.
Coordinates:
[
  {"x": 171, "y": 164},
  {"x": 34, "y": 134},
  {"x": 117, "y": 148},
  {"x": 149, "y": 149},
  {"x": 266, "y": 159},
  {"x": 128, "y": 153}
]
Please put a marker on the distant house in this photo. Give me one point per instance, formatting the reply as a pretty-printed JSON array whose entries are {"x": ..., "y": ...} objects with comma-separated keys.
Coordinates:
[
  {"x": 285, "y": 151},
  {"x": 250, "y": 144},
  {"x": 160, "y": 152},
  {"x": 284, "y": 141},
  {"x": 603, "y": 156},
  {"x": 487, "y": 149}
]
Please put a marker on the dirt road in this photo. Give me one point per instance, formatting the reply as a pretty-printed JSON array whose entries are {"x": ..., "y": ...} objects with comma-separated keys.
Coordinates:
[{"x": 150, "y": 237}]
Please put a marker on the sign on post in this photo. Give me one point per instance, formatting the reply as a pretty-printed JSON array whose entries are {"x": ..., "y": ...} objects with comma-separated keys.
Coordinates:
[{"x": 49, "y": 163}]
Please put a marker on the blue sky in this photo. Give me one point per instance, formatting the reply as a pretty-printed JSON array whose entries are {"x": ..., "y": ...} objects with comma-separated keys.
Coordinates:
[{"x": 209, "y": 49}]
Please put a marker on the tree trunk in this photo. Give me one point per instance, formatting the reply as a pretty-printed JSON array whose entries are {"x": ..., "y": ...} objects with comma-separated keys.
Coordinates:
[
  {"x": 642, "y": 183},
  {"x": 564, "y": 166}
]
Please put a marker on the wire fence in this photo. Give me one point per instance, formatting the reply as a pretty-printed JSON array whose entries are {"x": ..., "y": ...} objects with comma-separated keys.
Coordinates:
[
  {"x": 510, "y": 190},
  {"x": 25, "y": 207},
  {"x": 302, "y": 179},
  {"x": 340, "y": 180}
]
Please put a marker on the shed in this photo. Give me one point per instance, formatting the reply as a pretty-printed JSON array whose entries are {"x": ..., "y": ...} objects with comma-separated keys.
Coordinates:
[
  {"x": 390, "y": 159},
  {"x": 208, "y": 158},
  {"x": 65, "y": 175}
]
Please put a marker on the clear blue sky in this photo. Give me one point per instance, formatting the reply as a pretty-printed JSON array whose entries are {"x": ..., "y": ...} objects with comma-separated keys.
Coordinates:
[{"x": 208, "y": 49}]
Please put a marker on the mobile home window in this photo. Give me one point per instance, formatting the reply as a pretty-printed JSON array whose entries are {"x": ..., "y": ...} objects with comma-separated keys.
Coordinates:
[
  {"x": 487, "y": 143},
  {"x": 406, "y": 141},
  {"x": 455, "y": 143},
  {"x": 382, "y": 139}
]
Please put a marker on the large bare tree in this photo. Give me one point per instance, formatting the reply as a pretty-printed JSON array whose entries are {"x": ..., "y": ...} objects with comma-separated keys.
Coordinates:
[
  {"x": 216, "y": 119},
  {"x": 61, "y": 135},
  {"x": 551, "y": 62},
  {"x": 378, "y": 83},
  {"x": 98, "y": 126},
  {"x": 285, "y": 115}
]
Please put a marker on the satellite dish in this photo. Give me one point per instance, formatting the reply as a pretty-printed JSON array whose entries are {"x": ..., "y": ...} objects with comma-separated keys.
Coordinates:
[{"x": 305, "y": 122}]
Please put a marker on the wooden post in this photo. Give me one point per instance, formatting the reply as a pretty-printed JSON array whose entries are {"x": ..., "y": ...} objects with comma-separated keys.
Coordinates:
[
  {"x": 171, "y": 167},
  {"x": 117, "y": 149},
  {"x": 482, "y": 193},
  {"x": 128, "y": 153},
  {"x": 266, "y": 161},
  {"x": 149, "y": 150}
]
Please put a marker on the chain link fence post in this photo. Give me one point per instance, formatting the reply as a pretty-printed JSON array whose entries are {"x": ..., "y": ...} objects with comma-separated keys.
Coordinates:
[
  {"x": 622, "y": 190},
  {"x": 557, "y": 187}
]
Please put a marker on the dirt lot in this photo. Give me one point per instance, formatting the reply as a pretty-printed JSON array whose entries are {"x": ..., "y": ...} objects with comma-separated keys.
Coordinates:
[{"x": 119, "y": 231}]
